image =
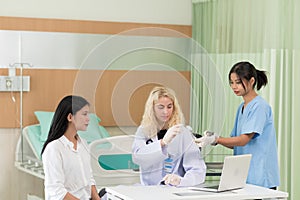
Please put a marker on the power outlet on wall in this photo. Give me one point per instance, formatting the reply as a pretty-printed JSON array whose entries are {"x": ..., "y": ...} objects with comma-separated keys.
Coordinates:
[
  {"x": 8, "y": 84},
  {"x": 13, "y": 83}
]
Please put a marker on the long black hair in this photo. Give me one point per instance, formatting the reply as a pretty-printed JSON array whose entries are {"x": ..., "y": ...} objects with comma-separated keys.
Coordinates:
[
  {"x": 68, "y": 105},
  {"x": 246, "y": 70}
]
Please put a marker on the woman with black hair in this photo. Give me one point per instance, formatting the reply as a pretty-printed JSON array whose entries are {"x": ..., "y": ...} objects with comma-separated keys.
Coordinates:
[
  {"x": 66, "y": 157},
  {"x": 254, "y": 131}
]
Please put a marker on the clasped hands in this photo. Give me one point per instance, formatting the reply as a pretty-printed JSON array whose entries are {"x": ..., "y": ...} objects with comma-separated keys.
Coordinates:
[
  {"x": 172, "y": 179},
  {"x": 208, "y": 138}
]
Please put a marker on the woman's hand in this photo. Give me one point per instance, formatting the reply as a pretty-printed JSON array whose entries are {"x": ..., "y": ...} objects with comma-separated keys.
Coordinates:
[
  {"x": 208, "y": 138},
  {"x": 171, "y": 134},
  {"x": 172, "y": 179},
  {"x": 95, "y": 195}
]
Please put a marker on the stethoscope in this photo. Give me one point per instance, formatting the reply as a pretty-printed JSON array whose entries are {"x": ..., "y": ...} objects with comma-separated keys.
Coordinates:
[
  {"x": 149, "y": 141},
  {"x": 160, "y": 135}
]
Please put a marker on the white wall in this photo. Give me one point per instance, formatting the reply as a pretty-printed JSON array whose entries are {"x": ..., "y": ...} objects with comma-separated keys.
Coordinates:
[
  {"x": 14, "y": 184},
  {"x": 144, "y": 11}
]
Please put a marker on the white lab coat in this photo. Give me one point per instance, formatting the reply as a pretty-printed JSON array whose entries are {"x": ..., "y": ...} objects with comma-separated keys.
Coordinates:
[{"x": 187, "y": 160}]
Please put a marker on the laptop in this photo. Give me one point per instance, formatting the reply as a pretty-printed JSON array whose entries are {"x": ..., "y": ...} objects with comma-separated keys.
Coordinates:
[{"x": 234, "y": 174}]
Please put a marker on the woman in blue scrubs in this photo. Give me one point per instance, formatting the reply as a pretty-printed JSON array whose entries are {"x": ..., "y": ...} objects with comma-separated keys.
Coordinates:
[
  {"x": 253, "y": 132},
  {"x": 163, "y": 147}
]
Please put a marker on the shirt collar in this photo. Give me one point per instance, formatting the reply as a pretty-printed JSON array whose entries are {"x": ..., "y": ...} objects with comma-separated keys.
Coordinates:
[{"x": 67, "y": 143}]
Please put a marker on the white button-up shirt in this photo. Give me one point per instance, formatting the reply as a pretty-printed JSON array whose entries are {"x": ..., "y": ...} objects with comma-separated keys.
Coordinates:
[{"x": 67, "y": 169}]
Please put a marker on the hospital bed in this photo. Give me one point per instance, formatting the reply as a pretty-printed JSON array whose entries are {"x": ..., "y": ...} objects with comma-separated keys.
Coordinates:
[
  {"x": 31, "y": 141},
  {"x": 28, "y": 150},
  {"x": 110, "y": 156},
  {"x": 112, "y": 161}
]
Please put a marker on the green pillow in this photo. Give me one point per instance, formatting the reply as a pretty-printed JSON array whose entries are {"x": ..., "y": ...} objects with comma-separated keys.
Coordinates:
[
  {"x": 104, "y": 132},
  {"x": 45, "y": 119},
  {"x": 94, "y": 130},
  {"x": 34, "y": 132}
]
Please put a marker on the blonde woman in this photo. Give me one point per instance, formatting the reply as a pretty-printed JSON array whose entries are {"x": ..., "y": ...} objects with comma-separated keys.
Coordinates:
[{"x": 163, "y": 147}]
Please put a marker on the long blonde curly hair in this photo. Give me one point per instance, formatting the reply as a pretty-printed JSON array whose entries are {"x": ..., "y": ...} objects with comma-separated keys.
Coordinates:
[{"x": 149, "y": 121}]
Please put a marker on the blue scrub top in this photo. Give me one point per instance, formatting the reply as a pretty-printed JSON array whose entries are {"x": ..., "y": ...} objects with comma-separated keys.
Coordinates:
[{"x": 257, "y": 117}]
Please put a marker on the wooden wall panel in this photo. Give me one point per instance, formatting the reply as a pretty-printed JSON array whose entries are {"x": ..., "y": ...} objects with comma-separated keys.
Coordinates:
[
  {"x": 98, "y": 27},
  {"x": 117, "y": 96},
  {"x": 121, "y": 95},
  {"x": 47, "y": 87}
]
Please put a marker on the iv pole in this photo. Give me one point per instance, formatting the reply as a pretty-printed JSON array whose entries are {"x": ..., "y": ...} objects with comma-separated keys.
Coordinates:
[{"x": 14, "y": 65}]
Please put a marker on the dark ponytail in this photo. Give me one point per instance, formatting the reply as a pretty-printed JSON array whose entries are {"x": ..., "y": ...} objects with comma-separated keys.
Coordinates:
[{"x": 262, "y": 79}]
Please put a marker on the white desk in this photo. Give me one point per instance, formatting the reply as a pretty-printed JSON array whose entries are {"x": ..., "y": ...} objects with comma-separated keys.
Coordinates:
[{"x": 168, "y": 193}]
